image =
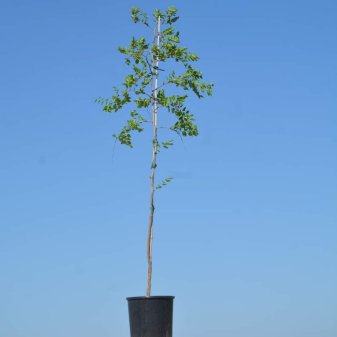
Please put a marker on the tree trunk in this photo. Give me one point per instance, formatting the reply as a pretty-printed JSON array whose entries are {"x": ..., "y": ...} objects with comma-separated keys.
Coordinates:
[{"x": 154, "y": 161}]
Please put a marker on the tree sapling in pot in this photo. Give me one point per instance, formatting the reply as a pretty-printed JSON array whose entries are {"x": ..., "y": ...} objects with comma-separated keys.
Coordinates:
[{"x": 161, "y": 75}]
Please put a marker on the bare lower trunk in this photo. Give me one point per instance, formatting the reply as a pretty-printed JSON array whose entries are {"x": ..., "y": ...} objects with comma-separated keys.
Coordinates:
[{"x": 153, "y": 165}]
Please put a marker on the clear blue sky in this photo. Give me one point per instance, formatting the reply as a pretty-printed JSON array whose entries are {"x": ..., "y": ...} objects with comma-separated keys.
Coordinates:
[{"x": 245, "y": 236}]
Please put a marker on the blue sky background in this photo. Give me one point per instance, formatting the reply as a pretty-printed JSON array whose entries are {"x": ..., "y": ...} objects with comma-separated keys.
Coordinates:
[{"x": 246, "y": 234}]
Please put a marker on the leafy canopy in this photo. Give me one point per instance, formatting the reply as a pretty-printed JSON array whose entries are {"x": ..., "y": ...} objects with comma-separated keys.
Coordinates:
[{"x": 137, "y": 90}]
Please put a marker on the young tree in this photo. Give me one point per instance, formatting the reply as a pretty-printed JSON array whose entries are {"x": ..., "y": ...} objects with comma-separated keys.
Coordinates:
[{"x": 141, "y": 90}]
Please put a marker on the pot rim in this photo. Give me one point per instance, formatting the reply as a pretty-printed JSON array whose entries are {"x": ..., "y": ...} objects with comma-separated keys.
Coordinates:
[{"x": 135, "y": 298}]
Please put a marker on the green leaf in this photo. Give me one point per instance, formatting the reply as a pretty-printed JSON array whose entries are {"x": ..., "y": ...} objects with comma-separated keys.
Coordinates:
[
  {"x": 142, "y": 102},
  {"x": 134, "y": 14},
  {"x": 171, "y": 10},
  {"x": 157, "y": 13},
  {"x": 168, "y": 31},
  {"x": 129, "y": 81},
  {"x": 174, "y": 38},
  {"x": 123, "y": 50},
  {"x": 163, "y": 183},
  {"x": 167, "y": 144}
]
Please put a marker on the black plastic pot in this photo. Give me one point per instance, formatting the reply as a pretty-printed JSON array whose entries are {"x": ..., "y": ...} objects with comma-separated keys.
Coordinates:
[{"x": 151, "y": 316}]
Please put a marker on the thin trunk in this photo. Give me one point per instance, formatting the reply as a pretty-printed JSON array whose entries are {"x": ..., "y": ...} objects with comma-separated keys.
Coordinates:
[{"x": 153, "y": 165}]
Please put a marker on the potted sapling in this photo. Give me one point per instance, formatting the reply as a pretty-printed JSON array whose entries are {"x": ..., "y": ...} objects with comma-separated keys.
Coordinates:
[{"x": 162, "y": 74}]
